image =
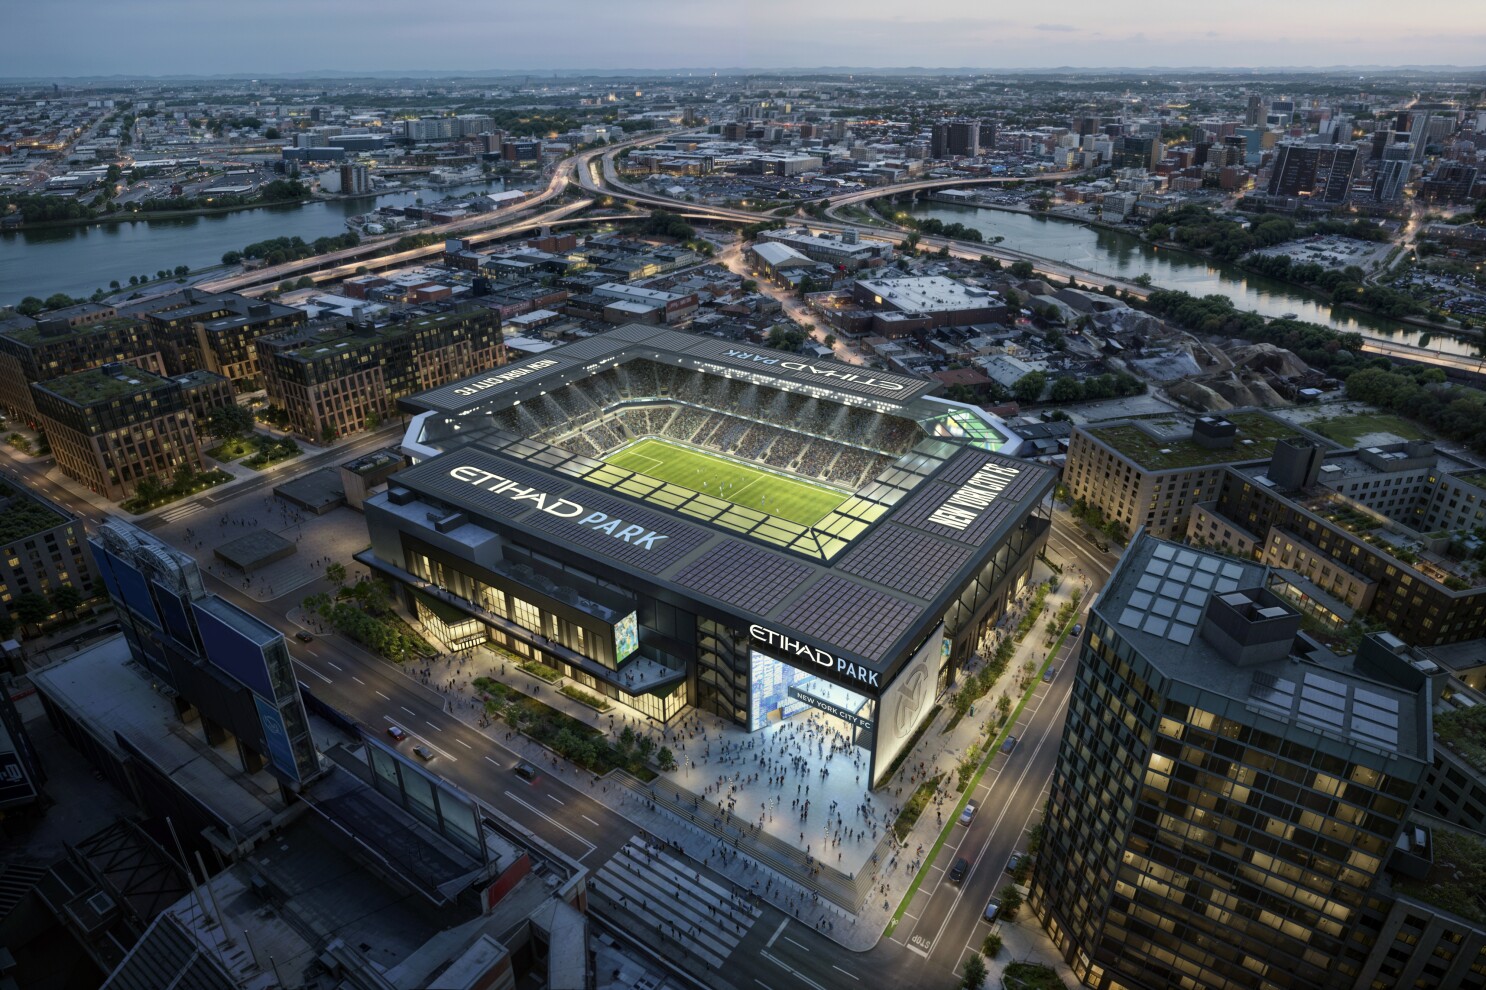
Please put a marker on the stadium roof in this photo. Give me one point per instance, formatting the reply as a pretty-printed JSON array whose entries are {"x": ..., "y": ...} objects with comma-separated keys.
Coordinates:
[
  {"x": 897, "y": 576},
  {"x": 501, "y": 387},
  {"x": 867, "y": 583}
]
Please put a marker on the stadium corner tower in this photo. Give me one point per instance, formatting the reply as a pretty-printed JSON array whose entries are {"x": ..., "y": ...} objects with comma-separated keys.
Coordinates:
[{"x": 670, "y": 520}]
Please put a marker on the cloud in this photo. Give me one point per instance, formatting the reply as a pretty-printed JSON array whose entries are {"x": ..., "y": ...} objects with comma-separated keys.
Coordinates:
[{"x": 1056, "y": 27}]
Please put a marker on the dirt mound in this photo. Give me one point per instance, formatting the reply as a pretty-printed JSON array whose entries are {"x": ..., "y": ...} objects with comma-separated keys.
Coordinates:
[{"x": 1267, "y": 358}]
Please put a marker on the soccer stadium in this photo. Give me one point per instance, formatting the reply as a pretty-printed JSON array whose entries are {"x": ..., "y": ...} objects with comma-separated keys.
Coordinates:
[{"x": 673, "y": 520}]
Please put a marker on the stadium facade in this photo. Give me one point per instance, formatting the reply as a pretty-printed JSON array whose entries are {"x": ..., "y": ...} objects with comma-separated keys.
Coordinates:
[{"x": 515, "y": 527}]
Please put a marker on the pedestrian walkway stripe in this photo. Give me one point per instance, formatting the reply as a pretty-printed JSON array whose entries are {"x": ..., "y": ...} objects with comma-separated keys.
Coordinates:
[{"x": 665, "y": 894}]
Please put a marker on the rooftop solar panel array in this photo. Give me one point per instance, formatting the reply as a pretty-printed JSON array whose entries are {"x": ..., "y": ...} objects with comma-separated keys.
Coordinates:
[
  {"x": 1173, "y": 590},
  {"x": 744, "y": 575},
  {"x": 872, "y": 623},
  {"x": 1332, "y": 705},
  {"x": 904, "y": 560},
  {"x": 680, "y": 539}
]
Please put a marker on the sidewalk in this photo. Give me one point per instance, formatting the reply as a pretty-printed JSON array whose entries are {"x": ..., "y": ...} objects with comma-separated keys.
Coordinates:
[{"x": 739, "y": 851}]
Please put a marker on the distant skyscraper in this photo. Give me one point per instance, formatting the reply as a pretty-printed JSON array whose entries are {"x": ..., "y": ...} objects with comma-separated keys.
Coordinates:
[
  {"x": 1321, "y": 173},
  {"x": 1220, "y": 811},
  {"x": 1254, "y": 115},
  {"x": 956, "y": 139},
  {"x": 1392, "y": 174}
]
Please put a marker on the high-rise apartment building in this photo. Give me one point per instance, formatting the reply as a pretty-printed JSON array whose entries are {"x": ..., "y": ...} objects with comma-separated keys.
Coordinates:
[
  {"x": 956, "y": 139},
  {"x": 1221, "y": 808},
  {"x": 1319, "y": 173},
  {"x": 334, "y": 379},
  {"x": 113, "y": 426},
  {"x": 1138, "y": 152},
  {"x": 1450, "y": 183}
]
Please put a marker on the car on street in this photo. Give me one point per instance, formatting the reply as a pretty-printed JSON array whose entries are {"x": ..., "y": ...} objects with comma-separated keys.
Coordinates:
[
  {"x": 993, "y": 909},
  {"x": 1049, "y": 674},
  {"x": 968, "y": 815},
  {"x": 1013, "y": 862},
  {"x": 303, "y": 637},
  {"x": 424, "y": 753},
  {"x": 958, "y": 871},
  {"x": 526, "y": 771},
  {"x": 1009, "y": 744},
  {"x": 396, "y": 733},
  {"x": 1078, "y": 629}
]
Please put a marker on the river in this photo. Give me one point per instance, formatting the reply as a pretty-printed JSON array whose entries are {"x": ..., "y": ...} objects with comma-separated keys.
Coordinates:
[
  {"x": 77, "y": 260},
  {"x": 1122, "y": 255}
]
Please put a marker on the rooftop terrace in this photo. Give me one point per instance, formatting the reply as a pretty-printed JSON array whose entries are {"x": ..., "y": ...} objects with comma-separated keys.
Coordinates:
[
  {"x": 1257, "y": 433},
  {"x": 105, "y": 384},
  {"x": 36, "y": 334},
  {"x": 1457, "y": 877},
  {"x": 21, "y": 515}
]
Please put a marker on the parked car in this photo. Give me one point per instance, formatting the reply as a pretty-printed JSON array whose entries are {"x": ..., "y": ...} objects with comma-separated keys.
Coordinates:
[
  {"x": 424, "y": 753},
  {"x": 1009, "y": 744},
  {"x": 1049, "y": 674},
  {"x": 1014, "y": 862},
  {"x": 1078, "y": 629},
  {"x": 526, "y": 771},
  {"x": 958, "y": 871},
  {"x": 968, "y": 815},
  {"x": 396, "y": 733},
  {"x": 993, "y": 909},
  {"x": 303, "y": 636}
]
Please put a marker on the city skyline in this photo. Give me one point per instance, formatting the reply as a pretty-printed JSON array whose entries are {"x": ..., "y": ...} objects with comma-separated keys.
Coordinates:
[{"x": 176, "y": 38}]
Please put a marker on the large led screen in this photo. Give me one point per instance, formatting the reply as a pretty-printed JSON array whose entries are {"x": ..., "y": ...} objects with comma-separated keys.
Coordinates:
[
  {"x": 233, "y": 652},
  {"x": 626, "y": 637},
  {"x": 906, "y": 702},
  {"x": 276, "y": 738}
]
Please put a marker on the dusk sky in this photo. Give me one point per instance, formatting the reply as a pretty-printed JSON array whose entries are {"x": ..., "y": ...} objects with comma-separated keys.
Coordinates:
[{"x": 164, "y": 37}]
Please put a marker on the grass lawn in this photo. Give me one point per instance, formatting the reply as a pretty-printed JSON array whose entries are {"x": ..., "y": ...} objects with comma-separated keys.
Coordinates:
[
  {"x": 1348, "y": 429},
  {"x": 231, "y": 450},
  {"x": 789, "y": 498},
  {"x": 1256, "y": 437}
]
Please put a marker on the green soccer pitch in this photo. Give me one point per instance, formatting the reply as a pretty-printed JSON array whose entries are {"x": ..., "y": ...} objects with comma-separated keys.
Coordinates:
[{"x": 789, "y": 498}]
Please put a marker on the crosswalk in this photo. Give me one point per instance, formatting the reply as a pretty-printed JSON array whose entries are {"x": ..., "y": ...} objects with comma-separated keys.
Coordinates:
[
  {"x": 653, "y": 886},
  {"x": 181, "y": 511}
]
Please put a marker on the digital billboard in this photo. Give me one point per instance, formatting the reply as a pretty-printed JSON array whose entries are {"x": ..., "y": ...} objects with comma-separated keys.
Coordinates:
[
  {"x": 769, "y": 684},
  {"x": 105, "y": 568},
  {"x": 626, "y": 637},
  {"x": 232, "y": 649},
  {"x": 276, "y": 738},
  {"x": 177, "y": 620},
  {"x": 906, "y": 702},
  {"x": 134, "y": 590}
]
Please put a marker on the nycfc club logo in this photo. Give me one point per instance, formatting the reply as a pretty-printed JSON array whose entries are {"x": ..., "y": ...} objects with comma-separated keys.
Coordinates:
[{"x": 912, "y": 694}]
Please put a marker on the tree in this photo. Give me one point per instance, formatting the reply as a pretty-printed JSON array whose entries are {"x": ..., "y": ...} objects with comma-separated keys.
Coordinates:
[
  {"x": 31, "y": 609},
  {"x": 1028, "y": 388},
  {"x": 1066, "y": 389},
  {"x": 991, "y": 947},
  {"x": 1022, "y": 269},
  {"x": 830, "y": 340},
  {"x": 65, "y": 599},
  {"x": 973, "y": 975},
  {"x": 271, "y": 134},
  {"x": 666, "y": 759},
  {"x": 1011, "y": 901},
  {"x": 230, "y": 421},
  {"x": 336, "y": 572},
  {"x": 750, "y": 285}
]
